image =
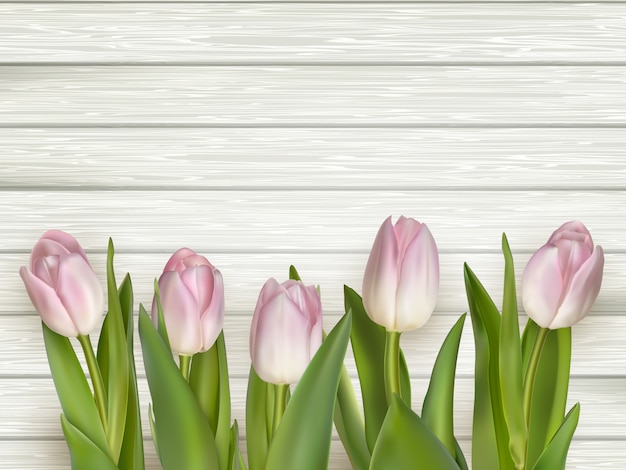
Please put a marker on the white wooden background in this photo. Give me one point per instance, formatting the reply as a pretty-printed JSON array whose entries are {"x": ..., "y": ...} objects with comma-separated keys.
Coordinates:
[{"x": 264, "y": 134}]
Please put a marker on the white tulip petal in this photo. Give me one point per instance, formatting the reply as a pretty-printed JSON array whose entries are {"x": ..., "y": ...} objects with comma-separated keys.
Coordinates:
[{"x": 542, "y": 285}]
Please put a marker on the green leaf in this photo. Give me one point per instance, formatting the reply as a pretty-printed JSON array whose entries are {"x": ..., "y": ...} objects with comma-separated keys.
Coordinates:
[
  {"x": 257, "y": 426},
  {"x": 222, "y": 435},
  {"x": 114, "y": 362},
  {"x": 204, "y": 382},
  {"x": 406, "y": 443},
  {"x": 295, "y": 445},
  {"x": 72, "y": 388},
  {"x": 235, "y": 459},
  {"x": 549, "y": 396},
  {"x": 161, "y": 328},
  {"x": 460, "y": 458},
  {"x": 489, "y": 432},
  {"x": 437, "y": 411},
  {"x": 184, "y": 435},
  {"x": 554, "y": 456},
  {"x": 131, "y": 455},
  {"x": 368, "y": 345},
  {"x": 83, "y": 452},
  {"x": 349, "y": 424},
  {"x": 511, "y": 378},
  {"x": 293, "y": 273}
]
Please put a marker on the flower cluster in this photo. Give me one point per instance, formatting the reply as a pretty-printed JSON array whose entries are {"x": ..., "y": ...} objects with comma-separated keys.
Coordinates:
[{"x": 190, "y": 414}]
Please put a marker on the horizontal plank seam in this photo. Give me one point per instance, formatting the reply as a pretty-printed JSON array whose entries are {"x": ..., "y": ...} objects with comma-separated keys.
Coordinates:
[{"x": 343, "y": 63}]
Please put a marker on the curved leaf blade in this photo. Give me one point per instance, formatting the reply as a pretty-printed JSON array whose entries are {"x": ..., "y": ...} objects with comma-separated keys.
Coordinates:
[
  {"x": 406, "y": 443},
  {"x": 204, "y": 382},
  {"x": 313, "y": 401},
  {"x": 83, "y": 452},
  {"x": 554, "y": 456},
  {"x": 437, "y": 411},
  {"x": 257, "y": 426}
]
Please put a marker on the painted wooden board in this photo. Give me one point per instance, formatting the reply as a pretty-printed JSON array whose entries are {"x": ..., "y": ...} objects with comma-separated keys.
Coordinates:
[
  {"x": 176, "y": 158},
  {"x": 312, "y": 33},
  {"x": 313, "y": 221},
  {"x": 598, "y": 347},
  {"x": 288, "y": 96},
  {"x": 245, "y": 273}
]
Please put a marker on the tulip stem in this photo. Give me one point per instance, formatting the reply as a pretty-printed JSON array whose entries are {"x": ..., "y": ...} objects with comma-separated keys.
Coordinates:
[
  {"x": 531, "y": 371},
  {"x": 185, "y": 365},
  {"x": 280, "y": 402},
  {"x": 96, "y": 378},
  {"x": 392, "y": 365}
]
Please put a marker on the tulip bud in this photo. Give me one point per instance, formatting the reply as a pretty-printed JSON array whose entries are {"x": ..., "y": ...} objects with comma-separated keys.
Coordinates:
[
  {"x": 562, "y": 279},
  {"x": 401, "y": 281},
  {"x": 192, "y": 297},
  {"x": 286, "y": 330},
  {"x": 62, "y": 285}
]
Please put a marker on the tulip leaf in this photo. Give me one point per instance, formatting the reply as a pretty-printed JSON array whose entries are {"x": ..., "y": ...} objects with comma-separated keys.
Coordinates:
[
  {"x": 406, "y": 443},
  {"x": 405, "y": 380},
  {"x": 184, "y": 435},
  {"x": 511, "y": 378},
  {"x": 368, "y": 345},
  {"x": 72, "y": 388},
  {"x": 293, "y": 273},
  {"x": 114, "y": 362},
  {"x": 235, "y": 459},
  {"x": 349, "y": 424},
  {"x": 303, "y": 437},
  {"x": 554, "y": 456},
  {"x": 460, "y": 458},
  {"x": 161, "y": 328},
  {"x": 222, "y": 436},
  {"x": 131, "y": 455},
  {"x": 83, "y": 452},
  {"x": 204, "y": 382},
  {"x": 257, "y": 426},
  {"x": 489, "y": 432},
  {"x": 549, "y": 396},
  {"x": 437, "y": 411}
]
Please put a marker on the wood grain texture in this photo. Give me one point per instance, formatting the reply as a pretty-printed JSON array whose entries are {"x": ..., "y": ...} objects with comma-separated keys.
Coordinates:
[
  {"x": 312, "y": 158},
  {"x": 312, "y": 33},
  {"x": 317, "y": 95},
  {"x": 598, "y": 347},
  {"x": 293, "y": 221}
]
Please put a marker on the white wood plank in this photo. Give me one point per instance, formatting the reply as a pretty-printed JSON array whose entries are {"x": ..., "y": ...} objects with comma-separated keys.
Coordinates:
[
  {"x": 318, "y": 95},
  {"x": 312, "y": 33},
  {"x": 312, "y": 158},
  {"x": 244, "y": 275},
  {"x": 292, "y": 221},
  {"x": 598, "y": 346},
  {"x": 31, "y": 407}
]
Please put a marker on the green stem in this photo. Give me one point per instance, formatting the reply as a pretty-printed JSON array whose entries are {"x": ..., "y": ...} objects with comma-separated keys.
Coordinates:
[
  {"x": 96, "y": 379},
  {"x": 531, "y": 371},
  {"x": 280, "y": 402},
  {"x": 185, "y": 365},
  {"x": 392, "y": 365}
]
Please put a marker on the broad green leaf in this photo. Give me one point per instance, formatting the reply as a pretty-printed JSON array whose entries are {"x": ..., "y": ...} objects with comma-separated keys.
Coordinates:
[
  {"x": 84, "y": 454},
  {"x": 349, "y": 424},
  {"x": 222, "y": 435},
  {"x": 554, "y": 456},
  {"x": 257, "y": 426},
  {"x": 131, "y": 455},
  {"x": 204, "y": 382},
  {"x": 437, "y": 412},
  {"x": 303, "y": 437},
  {"x": 511, "y": 378},
  {"x": 489, "y": 432},
  {"x": 72, "y": 388},
  {"x": 185, "y": 439},
  {"x": 406, "y": 443},
  {"x": 114, "y": 362},
  {"x": 368, "y": 345},
  {"x": 549, "y": 396}
]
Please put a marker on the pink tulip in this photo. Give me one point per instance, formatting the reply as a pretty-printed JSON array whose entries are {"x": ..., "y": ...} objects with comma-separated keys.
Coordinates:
[
  {"x": 401, "y": 281},
  {"x": 62, "y": 285},
  {"x": 192, "y": 297},
  {"x": 562, "y": 280},
  {"x": 286, "y": 331}
]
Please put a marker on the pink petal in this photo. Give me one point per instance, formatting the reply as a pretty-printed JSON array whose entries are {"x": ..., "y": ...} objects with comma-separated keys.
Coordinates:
[
  {"x": 406, "y": 230},
  {"x": 199, "y": 280},
  {"x": 571, "y": 257},
  {"x": 175, "y": 261},
  {"x": 542, "y": 285},
  {"x": 181, "y": 315},
  {"x": 80, "y": 292},
  {"x": 572, "y": 230},
  {"x": 45, "y": 248},
  {"x": 48, "y": 305},
  {"x": 381, "y": 277},
  {"x": 47, "y": 269},
  {"x": 212, "y": 319},
  {"x": 66, "y": 240},
  {"x": 418, "y": 285},
  {"x": 582, "y": 292}
]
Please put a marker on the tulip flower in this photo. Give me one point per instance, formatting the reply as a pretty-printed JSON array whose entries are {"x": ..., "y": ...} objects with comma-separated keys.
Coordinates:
[
  {"x": 62, "y": 285},
  {"x": 562, "y": 279},
  {"x": 286, "y": 330},
  {"x": 401, "y": 281},
  {"x": 192, "y": 297}
]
